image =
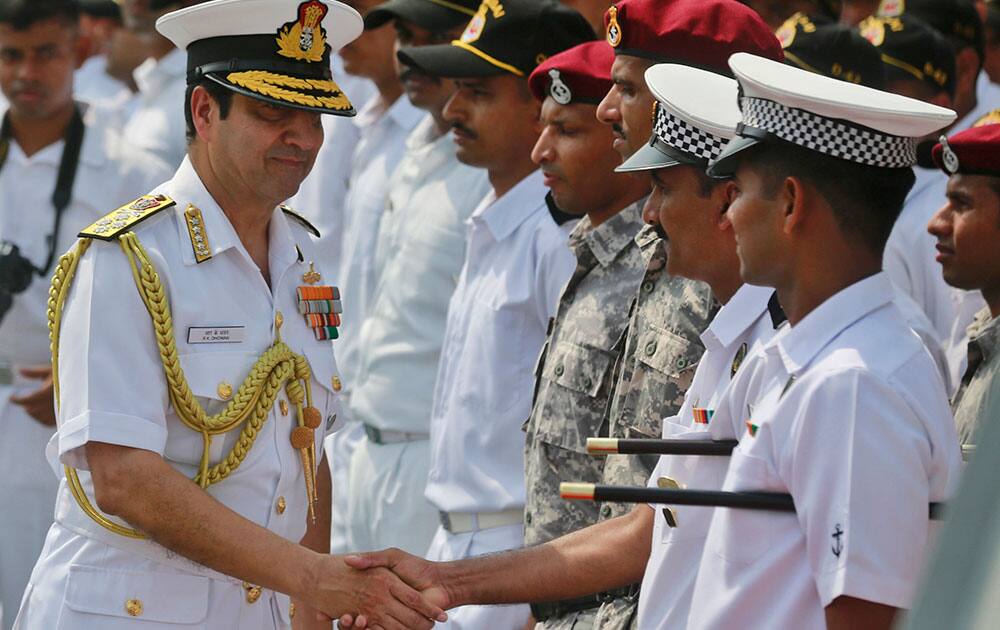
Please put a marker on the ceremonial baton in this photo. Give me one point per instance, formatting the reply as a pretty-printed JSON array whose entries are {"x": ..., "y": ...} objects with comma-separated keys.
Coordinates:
[
  {"x": 609, "y": 446},
  {"x": 771, "y": 501}
]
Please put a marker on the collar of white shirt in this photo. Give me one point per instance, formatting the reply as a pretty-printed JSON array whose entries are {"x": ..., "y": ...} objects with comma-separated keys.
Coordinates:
[
  {"x": 504, "y": 215},
  {"x": 402, "y": 113},
  {"x": 187, "y": 189},
  {"x": 737, "y": 316},
  {"x": 92, "y": 152},
  {"x": 806, "y": 339},
  {"x": 153, "y": 75},
  {"x": 610, "y": 238}
]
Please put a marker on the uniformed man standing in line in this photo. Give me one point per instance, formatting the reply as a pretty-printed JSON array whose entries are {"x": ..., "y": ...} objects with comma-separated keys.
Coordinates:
[
  {"x": 852, "y": 419},
  {"x": 59, "y": 172},
  {"x": 697, "y": 114},
  {"x": 153, "y": 122},
  {"x": 193, "y": 376},
  {"x": 661, "y": 348},
  {"x": 573, "y": 375},
  {"x": 966, "y": 229}
]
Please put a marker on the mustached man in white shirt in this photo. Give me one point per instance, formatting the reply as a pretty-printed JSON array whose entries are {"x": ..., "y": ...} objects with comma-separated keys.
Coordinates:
[
  {"x": 695, "y": 117},
  {"x": 416, "y": 263},
  {"x": 516, "y": 265},
  {"x": 852, "y": 420},
  {"x": 59, "y": 172}
]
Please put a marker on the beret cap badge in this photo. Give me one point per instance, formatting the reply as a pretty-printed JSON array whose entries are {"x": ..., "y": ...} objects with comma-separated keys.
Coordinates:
[
  {"x": 559, "y": 91},
  {"x": 948, "y": 157},
  {"x": 614, "y": 31}
]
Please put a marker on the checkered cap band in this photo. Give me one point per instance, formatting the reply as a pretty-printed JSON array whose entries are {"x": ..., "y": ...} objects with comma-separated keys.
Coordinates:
[
  {"x": 829, "y": 136},
  {"x": 680, "y": 135}
]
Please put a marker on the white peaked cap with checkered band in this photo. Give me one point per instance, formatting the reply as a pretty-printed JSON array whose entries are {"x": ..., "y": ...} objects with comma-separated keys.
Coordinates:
[
  {"x": 696, "y": 116},
  {"x": 836, "y": 118}
]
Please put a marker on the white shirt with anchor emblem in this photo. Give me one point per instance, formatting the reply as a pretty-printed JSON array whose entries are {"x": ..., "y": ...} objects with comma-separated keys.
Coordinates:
[
  {"x": 746, "y": 322},
  {"x": 852, "y": 421},
  {"x": 113, "y": 390}
]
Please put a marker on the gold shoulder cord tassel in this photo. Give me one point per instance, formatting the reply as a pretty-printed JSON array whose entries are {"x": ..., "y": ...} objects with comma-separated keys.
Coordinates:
[{"x": 250, "y": 407}]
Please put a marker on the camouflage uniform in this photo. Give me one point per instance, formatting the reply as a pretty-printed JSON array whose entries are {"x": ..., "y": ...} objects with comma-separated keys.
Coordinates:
[
  {"x": 972, "y": 398},
  {"x": 573, "y": 384},
  {"x": 661, "y": 351}
]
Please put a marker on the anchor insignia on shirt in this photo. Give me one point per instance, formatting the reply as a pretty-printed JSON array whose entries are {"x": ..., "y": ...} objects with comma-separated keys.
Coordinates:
[{"x": 838, "y": 544}]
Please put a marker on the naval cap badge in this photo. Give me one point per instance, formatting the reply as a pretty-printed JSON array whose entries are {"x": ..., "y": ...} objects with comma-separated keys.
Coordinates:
[{"x": 559, "y": 91}]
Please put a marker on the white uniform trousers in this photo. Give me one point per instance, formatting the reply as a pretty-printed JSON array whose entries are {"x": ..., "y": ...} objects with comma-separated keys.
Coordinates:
[
  {"x": 387, "y": 507},
  {"x": 95, "y": 586},
  {"x": 27, "y": 495},
  {"x": 447, "y": 546}
]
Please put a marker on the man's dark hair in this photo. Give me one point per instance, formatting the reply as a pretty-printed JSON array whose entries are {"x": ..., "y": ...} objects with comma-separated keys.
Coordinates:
[
  {"x": 865, "y": 200},
  {"x": 23, "y": 14},
  {"x": 222, "y": 96}
]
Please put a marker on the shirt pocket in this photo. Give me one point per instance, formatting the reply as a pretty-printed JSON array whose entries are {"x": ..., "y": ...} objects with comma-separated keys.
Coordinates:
[
  {"x": 746, "y": 533},
  {"x": 112, "y": 599},
  {"x": 667, "y": 362},
  {"x": 495, "y": 374},
  {"x": 574, "y": 397},
  {"x": 214, "y": 378},
  {"x": 691, "y": 472}
]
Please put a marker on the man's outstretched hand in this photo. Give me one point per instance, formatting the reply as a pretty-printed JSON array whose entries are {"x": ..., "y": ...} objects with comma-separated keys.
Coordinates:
[
  {"x": 422, "y": 576},
  {"x": 380, "y": 597}
]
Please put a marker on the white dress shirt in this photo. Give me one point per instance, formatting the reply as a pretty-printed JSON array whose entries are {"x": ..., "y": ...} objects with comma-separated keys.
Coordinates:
[
  {"x": 156, "y": 124},
  {"x": 108, "y": 175},
  {"x": 421, "y": 248},
  {"x": 380, "y": 147},
  {"x": 518, "y": 262},
  {"x": 92, "y": 84},
  {"x": 322, "y": 195},
  {"x": 124, "y": 401},
  {"x": 852, "y": 421},
  {"x": 746, "y": 322}
]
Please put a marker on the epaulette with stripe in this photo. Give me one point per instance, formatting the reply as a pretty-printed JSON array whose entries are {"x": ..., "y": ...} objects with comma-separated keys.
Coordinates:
[
  {"x": 301, "y": 219},
  {"x": 116, "y": 223}
]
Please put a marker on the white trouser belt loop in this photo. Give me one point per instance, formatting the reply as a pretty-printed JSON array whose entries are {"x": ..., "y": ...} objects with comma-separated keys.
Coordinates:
[{"x": 465, "y": 522}]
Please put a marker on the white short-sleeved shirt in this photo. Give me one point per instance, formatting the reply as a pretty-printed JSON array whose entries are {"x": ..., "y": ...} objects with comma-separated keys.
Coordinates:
[
  {"x": 381, "y": 144},
  {"x": 852, "y": 421},
  {"x": 749, "y": 319},
  {"x": 421, "y": 248},
  {"x": 113, "y": 388},
  {"x": 92, "y": 84},
  {"x": 156, "y": 123},
  {"x": 517, "y": 263}
]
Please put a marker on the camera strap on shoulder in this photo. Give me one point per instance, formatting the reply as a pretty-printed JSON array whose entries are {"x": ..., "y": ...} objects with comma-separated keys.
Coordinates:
[{"x": 65, "y": 179}]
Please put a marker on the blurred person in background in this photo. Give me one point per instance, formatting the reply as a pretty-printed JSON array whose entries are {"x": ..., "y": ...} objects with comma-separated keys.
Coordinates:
[{"x": 100, "y": 24}]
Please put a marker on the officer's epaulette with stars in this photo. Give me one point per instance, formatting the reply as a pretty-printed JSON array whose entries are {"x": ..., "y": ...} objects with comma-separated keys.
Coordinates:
[
  {"x": 990, "y": 118},
  {"x": 116, "y": 223},
  {"x": 301, "y": 219}
]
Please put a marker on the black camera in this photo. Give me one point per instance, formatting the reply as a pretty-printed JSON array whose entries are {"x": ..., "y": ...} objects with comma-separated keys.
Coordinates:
[{"x": 16, "y": 273}]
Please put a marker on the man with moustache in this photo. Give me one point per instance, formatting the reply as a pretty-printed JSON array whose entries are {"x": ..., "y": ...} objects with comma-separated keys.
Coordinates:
[
  {"x": 658, "y": 355},
  {"x": 573, "y": 376},
  {"x": 966, "y": 230},
  {"x": 59, "y": 171},
  {"x": 193, "y": 395},
  {"x": 419, "y": 254},
  {"x": 516, "y": 265}
]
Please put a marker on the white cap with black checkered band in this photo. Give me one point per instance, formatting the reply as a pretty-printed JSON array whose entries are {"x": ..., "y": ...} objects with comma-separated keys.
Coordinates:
[
  {"x": 695, "y": 117},
  {"x": 835, "y": 118}
]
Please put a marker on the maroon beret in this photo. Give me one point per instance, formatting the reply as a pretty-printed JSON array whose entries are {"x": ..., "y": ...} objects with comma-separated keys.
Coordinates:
[
  {"x": 699, "y": 33},
  {"x": 581, "y": 74},
  {"x": 974, "y": 151}
]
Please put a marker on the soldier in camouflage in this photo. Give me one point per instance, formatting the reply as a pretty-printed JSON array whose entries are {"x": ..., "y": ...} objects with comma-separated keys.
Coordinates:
[
  {"x": 573, "y": 376},
  {"x": 658, "y": 355}
]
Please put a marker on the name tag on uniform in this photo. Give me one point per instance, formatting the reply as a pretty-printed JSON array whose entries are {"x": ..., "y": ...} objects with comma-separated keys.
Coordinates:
[{"x": 217, "y": 334}]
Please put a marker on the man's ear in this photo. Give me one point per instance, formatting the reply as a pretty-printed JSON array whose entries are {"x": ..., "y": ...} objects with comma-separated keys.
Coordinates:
[
  {"x": 793, "y": 196},
  {"x": 203, "y": 111},
  {"x": 722, "y": 198}
]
